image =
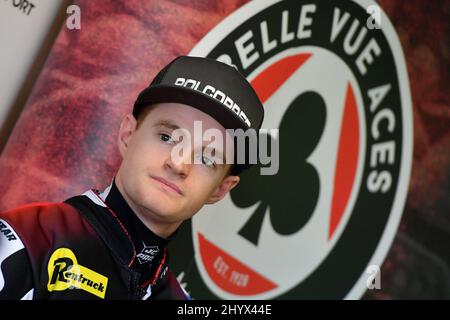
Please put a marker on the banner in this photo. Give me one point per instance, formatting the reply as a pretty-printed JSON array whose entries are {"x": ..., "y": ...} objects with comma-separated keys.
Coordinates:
[{"x": 343, "y": 174}]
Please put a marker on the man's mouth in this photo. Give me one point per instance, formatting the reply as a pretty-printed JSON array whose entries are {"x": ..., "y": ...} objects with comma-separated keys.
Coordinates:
[{"x": 168, "y": 184}]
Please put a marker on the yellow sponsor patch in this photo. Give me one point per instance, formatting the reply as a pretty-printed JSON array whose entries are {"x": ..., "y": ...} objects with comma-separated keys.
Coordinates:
[{"x": 64, "y": 273}]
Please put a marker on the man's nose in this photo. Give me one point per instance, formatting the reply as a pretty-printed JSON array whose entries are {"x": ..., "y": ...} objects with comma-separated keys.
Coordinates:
[{"x": 179, "y": 165}]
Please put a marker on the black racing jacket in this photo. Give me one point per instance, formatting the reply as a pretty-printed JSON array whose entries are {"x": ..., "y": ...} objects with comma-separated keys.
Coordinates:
[{"x": 77, "y": 249}]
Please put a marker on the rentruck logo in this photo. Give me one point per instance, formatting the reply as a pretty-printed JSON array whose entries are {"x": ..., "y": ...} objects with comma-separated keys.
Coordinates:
[{"x": 64, "y": 273}]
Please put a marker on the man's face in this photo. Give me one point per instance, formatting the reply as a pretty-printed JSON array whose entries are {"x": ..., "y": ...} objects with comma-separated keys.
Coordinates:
[{"x": 158, "y": 188}]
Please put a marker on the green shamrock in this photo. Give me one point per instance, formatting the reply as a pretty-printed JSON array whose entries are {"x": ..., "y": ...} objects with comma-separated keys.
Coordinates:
[{"x": 290, "y": 195}]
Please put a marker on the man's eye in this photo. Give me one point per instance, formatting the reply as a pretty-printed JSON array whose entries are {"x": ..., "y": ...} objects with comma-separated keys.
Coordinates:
[
  {"x": 166, "y": 138},
  {"x": 208, "y": 162}
]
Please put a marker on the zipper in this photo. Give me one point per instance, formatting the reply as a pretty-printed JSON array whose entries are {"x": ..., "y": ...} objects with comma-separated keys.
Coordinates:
[{"x": 146, "y": 289}]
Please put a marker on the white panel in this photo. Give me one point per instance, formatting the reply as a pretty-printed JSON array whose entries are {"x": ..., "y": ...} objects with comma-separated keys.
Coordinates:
[{"x": 24, "y": 24}]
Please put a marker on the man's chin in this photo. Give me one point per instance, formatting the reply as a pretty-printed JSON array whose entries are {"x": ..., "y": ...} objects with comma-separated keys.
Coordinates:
[{"x": 161, "y": 211}]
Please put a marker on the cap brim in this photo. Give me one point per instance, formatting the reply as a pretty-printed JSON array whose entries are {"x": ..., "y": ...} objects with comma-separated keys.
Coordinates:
[{"x": 170, "y": 93}]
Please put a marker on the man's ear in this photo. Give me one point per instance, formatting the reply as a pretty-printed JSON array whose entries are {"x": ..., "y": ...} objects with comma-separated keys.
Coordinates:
[
  {"x": 221, "y": 191},
  {"x": 127, "y": 128}
]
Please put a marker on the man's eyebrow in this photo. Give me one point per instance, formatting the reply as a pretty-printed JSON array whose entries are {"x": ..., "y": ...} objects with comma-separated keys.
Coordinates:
[{"x": 169, "y": 124}]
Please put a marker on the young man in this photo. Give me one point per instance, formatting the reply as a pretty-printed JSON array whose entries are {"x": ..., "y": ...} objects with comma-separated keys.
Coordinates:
[{"x": 112, "y": 244}]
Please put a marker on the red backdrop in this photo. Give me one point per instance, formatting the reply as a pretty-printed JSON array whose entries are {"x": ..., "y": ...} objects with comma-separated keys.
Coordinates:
[{"x": 65, "y": 140}]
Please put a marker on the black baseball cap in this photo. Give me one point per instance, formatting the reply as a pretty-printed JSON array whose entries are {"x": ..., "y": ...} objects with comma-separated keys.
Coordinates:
[
  {"x": 208, "y": 85},
  {"x": 213, "y": 87}
]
